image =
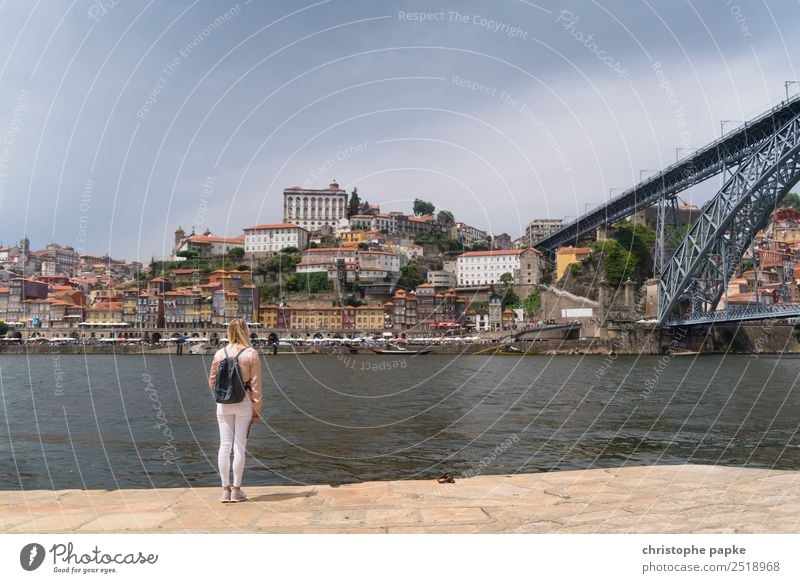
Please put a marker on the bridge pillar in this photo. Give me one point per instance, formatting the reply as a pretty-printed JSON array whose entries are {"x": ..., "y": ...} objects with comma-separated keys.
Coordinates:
[
  {"x": 602, "y": 295},
  {"x": 630, "y": 295}
]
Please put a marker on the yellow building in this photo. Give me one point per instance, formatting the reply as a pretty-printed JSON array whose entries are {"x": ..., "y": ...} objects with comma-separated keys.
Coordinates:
[
  {"x": 567, "y": 256},
  {"x": 369, "y": 317},
  {"x": 105, "y": 313},
  {"x": 352, "y": 238},
  {"x": 269, "y": 317},
  {"x": 314, "y": 319}
]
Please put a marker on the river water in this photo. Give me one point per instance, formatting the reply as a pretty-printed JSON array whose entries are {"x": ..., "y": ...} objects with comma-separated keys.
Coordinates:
[{"x": 105, "y": 421}]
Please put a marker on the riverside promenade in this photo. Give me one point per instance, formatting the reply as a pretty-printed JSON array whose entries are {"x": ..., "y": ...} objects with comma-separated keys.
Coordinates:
[{"x": 649, "y": 499}]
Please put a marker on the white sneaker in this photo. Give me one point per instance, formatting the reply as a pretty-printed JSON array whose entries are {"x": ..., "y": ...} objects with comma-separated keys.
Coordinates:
[{"x": 237, "y": 495}]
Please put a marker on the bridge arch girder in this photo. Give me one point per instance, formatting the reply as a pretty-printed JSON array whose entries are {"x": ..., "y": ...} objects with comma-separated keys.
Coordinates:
[{"x": 712, "y": 249}]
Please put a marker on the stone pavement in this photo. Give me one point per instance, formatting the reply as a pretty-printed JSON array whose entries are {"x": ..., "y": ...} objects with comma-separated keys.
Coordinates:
[{"x": 659, "y": 499}]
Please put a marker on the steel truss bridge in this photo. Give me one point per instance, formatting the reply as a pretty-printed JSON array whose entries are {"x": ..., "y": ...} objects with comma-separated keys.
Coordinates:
[{"x": 761, "y": 161}]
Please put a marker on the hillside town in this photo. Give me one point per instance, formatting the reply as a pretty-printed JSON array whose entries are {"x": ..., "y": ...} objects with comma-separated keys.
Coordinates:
[{"x": 338, "y": 266}]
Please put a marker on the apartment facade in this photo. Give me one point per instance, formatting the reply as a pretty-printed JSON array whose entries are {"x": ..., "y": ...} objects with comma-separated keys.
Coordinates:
[
  {"x": 477, "y": 268},
  {"x": 313, "y": 209},
  {"x": 265, "y": 240}
]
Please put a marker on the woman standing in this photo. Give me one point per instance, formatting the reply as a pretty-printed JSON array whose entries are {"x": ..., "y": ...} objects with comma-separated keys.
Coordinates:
[{"x": 235, "y": 419}]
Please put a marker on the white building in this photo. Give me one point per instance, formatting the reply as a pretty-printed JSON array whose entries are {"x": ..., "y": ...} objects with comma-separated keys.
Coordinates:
[
  {"x": 442, "y": 279},
  {"x": 269, "y": 239},
  {"x": 312, "y": 209},
  {"x": 486, "y": 267},
  {"x": 366, "y": 265},
  {"x": 205, "y": 245},
  {"x": 380, "y": 260}
]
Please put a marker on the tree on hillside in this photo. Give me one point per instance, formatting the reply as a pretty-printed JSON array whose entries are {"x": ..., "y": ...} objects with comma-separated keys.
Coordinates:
[
  {"x": 532, "y": 302},
  {"x": 510, "y": 298},
  {"x": 446, "y": 217},
  {"x": 791, "y": 200},
  {"x": 409, "y": 276},
  {"x": 422, "y": 207},
  {"x": 620, "y": 264},
  {"x": 309, "y": 282},
  {"x": 355, "y": 203},
  {"x": 188, "y": 254},
  {"x": 506, "y": 279},
  {"x": 640, "y": 241},
  {"x": 235, "y": 254}
]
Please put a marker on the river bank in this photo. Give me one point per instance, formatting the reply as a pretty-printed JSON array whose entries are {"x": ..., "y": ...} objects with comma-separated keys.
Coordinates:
[
  {"x": 628, "y": 339},
  {"x": 647, "y": 499}
]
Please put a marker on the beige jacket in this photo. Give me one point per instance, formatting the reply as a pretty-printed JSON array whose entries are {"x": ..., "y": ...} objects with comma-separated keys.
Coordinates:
[{"x": 250, "y": 367}]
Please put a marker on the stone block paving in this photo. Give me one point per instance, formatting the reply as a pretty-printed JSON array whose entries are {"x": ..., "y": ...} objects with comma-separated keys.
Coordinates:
[{"x": 659, "y": 499}]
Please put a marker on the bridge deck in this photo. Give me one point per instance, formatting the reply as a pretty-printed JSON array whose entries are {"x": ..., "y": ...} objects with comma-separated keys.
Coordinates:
[
  {"x": 749, "y": 313},
  {"x": 728, "y": 151}
]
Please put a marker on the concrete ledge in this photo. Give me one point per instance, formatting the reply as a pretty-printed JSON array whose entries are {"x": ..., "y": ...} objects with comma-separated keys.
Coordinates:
[{"x": 660, "y": 499}]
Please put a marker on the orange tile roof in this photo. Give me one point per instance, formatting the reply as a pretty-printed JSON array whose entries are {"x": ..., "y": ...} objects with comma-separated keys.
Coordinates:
[
  {"x": 215, "y": 239},
  {"x": 182, "y": 271},
  {"x": 574, "y": 250}
]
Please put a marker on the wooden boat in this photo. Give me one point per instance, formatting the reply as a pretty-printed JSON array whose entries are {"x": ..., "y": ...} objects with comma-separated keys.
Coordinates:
[{"x": 395, "y": 350}]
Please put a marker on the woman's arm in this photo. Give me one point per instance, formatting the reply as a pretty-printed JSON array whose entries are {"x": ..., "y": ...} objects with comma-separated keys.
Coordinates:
[
  {"x": 255, "y": 381},
  {"x": 212, "y": 377}
]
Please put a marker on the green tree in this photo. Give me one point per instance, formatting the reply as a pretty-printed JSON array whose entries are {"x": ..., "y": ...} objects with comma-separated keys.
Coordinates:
[
  {"x": 791, "y": 200},
  {"x": 422, "y": 207},
  {"x": 506, "y": 279},
  {"x": 510, "y": 298},
  {"x": 309, "y": 282},
  {"x": 620, "y": 264},
  {"x": 290, "y": 250},
  {"x": 188, "y": 254},
  {"x": 409, "y": 276},
  {"x": 479, "y": 306},
  {"x": 3, "y": 328},
  {"x": 269, "y": 293},
  {"x": 235, "y": 254},
  {"x": 355, "y": 202},
  {"x": 480, "y": 246},
  {"x": 532, "y": 302},
  {"x": 640, "y": 241},
  {"x": 446, "y": 217}
]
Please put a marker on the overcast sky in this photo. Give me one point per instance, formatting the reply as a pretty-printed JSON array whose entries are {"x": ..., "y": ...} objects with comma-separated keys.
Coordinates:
[{"x": 121, "y": 120}]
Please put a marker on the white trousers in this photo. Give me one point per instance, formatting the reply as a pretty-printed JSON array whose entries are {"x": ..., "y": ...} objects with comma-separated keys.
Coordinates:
[{"x": 234, "y": 421}]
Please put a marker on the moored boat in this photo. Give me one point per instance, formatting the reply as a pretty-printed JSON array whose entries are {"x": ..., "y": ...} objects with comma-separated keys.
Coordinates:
[{"x": 393, "y": 349}]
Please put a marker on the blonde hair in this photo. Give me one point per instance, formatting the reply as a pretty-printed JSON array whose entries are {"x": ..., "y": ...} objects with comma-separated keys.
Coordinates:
[{"x": 238, "y": 333}]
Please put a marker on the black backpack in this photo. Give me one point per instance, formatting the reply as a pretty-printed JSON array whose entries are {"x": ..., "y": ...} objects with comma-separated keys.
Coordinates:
[{"x": 230, "y": 388}]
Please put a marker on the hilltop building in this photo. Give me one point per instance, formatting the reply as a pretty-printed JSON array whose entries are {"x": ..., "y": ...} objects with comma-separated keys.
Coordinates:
[{"x": 313, "y": 209}]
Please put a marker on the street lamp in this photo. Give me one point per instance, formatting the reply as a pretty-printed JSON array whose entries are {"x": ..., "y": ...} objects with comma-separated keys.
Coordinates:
[
  {"x": 786, "y": 86},
  {"x": 611, "y": 191},
  {"x": 722, "y": 123},
  {"x": 643, "y": 172},
  {"x": 678, "y": 149}
]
